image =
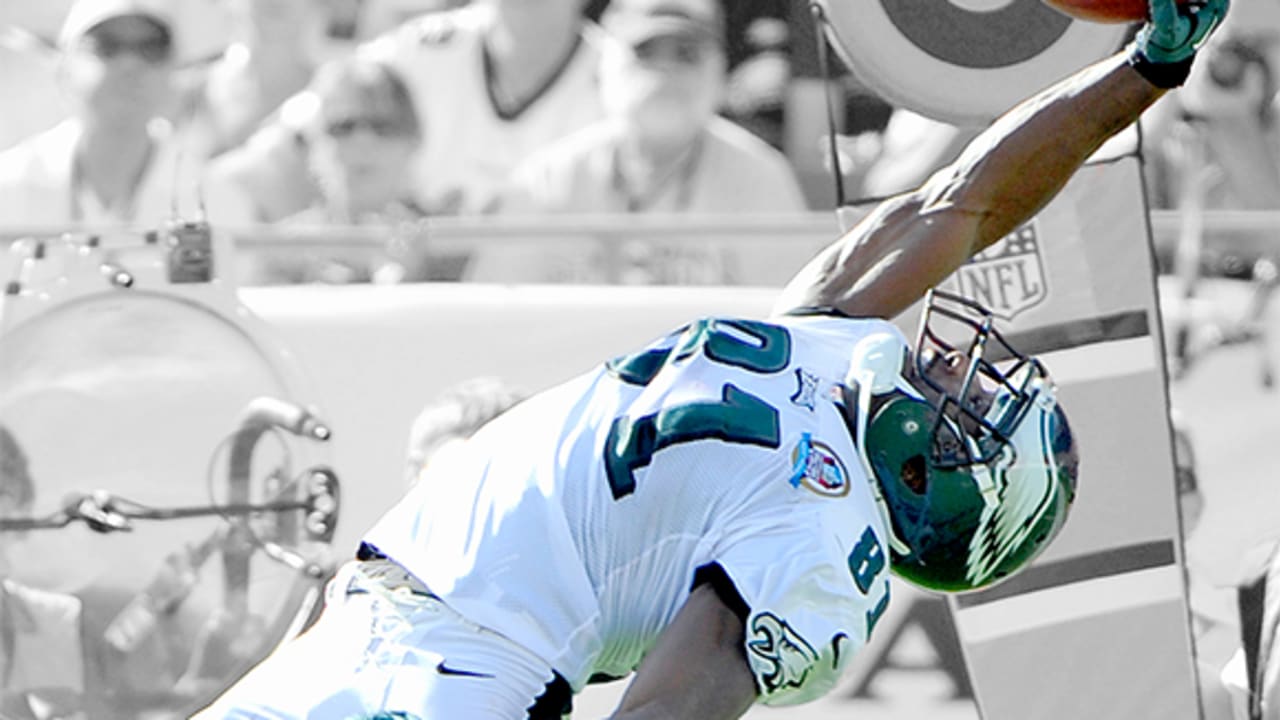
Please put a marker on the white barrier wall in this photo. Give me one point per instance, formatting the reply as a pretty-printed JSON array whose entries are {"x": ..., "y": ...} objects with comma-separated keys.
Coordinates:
[{"x": 376, "y": 355}]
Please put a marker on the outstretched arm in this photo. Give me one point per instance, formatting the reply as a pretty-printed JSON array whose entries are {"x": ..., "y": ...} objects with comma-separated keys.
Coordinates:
[{"x": 913, "y": 241}]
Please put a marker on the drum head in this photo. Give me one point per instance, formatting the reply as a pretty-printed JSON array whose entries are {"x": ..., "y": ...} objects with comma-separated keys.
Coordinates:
[
  {"x": 137, "y": 394},
  {"x": 964, "y": 62}
]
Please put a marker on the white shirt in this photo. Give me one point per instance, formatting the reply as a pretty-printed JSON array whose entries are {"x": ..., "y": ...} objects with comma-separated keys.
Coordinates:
[
  {"x": 38, "y": 186},
  {"x": 574, "y": 523},
  {"x": 728, "y": 171},
  {"x": 470, "y": 146}
]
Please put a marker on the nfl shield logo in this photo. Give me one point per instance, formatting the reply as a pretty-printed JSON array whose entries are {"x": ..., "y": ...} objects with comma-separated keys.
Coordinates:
[{"x": 1006, "y": 278}]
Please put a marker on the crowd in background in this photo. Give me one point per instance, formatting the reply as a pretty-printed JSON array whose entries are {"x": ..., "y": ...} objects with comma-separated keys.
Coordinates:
[
  {"x": 367, "y": 113},
  {"x": 305, "y": 114},
  {"x": 295, "y": 115}
]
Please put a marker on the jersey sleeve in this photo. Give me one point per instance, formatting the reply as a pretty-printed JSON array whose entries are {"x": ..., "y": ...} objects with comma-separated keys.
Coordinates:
[{"x": 813, "y": 574}]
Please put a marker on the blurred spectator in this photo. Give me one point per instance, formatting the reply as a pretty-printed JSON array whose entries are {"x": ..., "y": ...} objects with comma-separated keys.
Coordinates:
[
  {"x": 492, "y": 82},
  {"x": 42, "y": 666},
  {"x": 455, "y": 415},
  {"x": 363, "y": 146},
  {"x": 1215, "y": 145},
  {"x": 1216, "y": 138},
  {"x": 274, "y": 50},
  {"x": 882, "y": 161},
  {"x": 757, "y": 89},
  {"x": 1209, "y": 628},
  {"x": 375, "y": 17},
  {"x": 910, "y": 149},
  {"x": 361, "y": 151},
  {"x": 662, "y": 148},
  {"x": 115, "y": 160},
  {"x": 28, "y": 59}
]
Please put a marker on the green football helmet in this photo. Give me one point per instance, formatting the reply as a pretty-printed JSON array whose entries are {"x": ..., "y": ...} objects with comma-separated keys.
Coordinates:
[{"x": 975, "y": 466}]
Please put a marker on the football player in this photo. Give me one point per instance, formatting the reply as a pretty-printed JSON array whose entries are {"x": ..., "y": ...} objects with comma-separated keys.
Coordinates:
[{"x": 718, "y": 512}]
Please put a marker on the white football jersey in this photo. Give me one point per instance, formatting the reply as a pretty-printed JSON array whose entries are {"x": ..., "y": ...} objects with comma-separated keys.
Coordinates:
[
  {"x": 470, "y": 145},
  {"x": 574, "y": 523}
]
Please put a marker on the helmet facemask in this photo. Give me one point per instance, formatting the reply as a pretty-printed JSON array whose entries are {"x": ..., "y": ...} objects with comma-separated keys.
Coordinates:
[
  {"x": 990, "y": 401},
  {"x": 974, "y": 464}
]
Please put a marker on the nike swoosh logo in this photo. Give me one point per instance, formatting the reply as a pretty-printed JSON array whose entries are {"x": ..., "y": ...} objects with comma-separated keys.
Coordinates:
[{"x": 446, "y": 670}]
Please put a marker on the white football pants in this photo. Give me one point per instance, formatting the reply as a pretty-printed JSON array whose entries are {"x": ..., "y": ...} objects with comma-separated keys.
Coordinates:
[{"x": 376, "y": 650}]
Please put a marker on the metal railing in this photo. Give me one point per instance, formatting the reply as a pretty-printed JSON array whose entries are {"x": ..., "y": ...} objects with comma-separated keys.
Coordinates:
[{"x": 1245, "y": 232}]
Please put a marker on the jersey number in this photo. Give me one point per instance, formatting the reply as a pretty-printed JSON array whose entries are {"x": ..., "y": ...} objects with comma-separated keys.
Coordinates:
[
  {"x": 738, "y": 417},
  {"x": 866, "y": 561}
]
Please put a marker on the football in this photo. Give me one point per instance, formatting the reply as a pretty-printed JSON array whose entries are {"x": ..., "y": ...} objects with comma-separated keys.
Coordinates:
[{"x": 1104, "y": 11}]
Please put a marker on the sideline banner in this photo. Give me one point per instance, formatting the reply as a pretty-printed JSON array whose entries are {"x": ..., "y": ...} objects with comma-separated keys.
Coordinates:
[{"x": 1098, "y": 627}]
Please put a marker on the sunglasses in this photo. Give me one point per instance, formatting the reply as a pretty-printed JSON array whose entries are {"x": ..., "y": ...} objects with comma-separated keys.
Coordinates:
[
  {"x": 153, "y": 50},
  {"x": 382, "y": 127},
  {"x": 673, "y": 51}
]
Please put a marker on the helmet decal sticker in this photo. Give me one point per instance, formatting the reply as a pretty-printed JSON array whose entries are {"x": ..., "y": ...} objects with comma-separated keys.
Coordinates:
[{"x": 1024, "y": 496}]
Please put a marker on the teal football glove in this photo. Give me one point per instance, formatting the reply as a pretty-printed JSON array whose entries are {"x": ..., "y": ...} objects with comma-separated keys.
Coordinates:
[{"x": 1166, "y": 46}]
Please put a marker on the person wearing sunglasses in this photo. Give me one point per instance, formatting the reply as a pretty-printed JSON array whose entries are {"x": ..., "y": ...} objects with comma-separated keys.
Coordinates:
[
  {"x": 362, "y": 144},
  {"x": 662, "y": 148},
  {"x": 115, "y": 161},
  {"x": 493, "y": 81}
]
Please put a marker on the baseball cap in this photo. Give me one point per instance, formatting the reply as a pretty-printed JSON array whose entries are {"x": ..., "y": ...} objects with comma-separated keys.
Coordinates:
[
  {"x": 86, "y": 15},
  {"x": 638, "y": 21}
]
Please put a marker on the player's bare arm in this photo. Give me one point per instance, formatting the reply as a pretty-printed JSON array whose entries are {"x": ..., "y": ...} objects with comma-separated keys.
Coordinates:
[
  {"x": 1006, "y": 175},
  {"x": 909, "y": 244},
  {"x": 697, "y": 669}
]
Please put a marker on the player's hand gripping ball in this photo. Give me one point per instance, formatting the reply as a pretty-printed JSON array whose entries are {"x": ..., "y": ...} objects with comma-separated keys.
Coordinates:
[{"x": 1107, "y": 11}]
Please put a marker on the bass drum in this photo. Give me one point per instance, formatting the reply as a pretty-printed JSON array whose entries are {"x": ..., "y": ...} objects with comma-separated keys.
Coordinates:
[
  {"x": 963, "y": 62},
  {"x": 180, "y": 505}
]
